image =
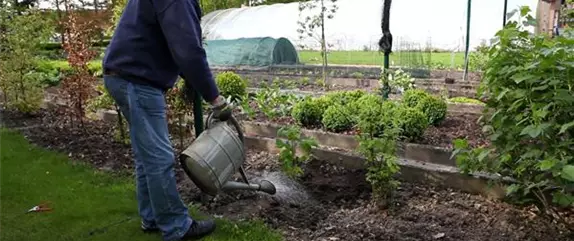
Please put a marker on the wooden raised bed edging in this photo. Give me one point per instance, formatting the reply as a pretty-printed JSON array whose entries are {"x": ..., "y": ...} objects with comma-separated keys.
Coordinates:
[
  {"x": 410, "y": 151},
  {"x": 411, "y": 171},
  {"x": 419, "y": 163}
]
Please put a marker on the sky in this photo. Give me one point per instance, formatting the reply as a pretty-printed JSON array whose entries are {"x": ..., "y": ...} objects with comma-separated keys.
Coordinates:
[{"x": 356, "y": 25}]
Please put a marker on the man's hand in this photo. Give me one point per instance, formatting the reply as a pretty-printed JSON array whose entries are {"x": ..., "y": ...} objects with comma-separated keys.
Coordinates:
[{"x": 221, "y": 109}]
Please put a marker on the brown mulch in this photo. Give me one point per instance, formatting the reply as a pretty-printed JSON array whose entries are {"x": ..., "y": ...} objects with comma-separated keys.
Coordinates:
[
  {"x": 339, "y": 208},
  {"x": 338, "y": 205}
]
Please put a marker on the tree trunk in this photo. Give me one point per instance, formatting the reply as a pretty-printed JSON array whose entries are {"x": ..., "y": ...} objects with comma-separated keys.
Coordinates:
[{"x": 324, "y": 45}]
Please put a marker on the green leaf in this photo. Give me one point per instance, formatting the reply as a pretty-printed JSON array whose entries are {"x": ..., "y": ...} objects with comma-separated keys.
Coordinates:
[
  {"x": 565, "y": 127},
  {"x": 540, "y": 88},
  {"x": 519, "y": 78},
  {"x": 568, "y": 172},
  {"x": 563, "y": 199},
  {"x": 547, "y": 164},
  {"x": 512, "y": 189},
  {"x": 460, "y": 144},
  {"x": 531, "y": 130},
  {"x": 502, "y": 94}
]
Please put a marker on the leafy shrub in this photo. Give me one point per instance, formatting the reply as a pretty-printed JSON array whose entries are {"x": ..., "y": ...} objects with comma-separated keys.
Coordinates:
[
  {"x": 103, "y": 101},
  {"x": 367, "y": 99},
  {"x": 309, "y": 111},
  {"x": 434, "y": 108},
  {"x": 529, "y": 81},
  {"x": 374, "y": 115},
  {"x": 412, "y": 97},
  {"x": 344, "y": 97},
  {"x": 338, "y": 118},
  {"x": 411, "y": 122},
  {"x": 231, "y": 85},
  {"x": 20, "y": 40}
]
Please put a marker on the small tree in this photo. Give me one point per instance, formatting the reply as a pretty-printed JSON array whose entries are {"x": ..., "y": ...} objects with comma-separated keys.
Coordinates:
[
  {"x": 78, "y": 84},
  {"x": 22, "y": 34},
  {"x": 313, "y": 26}
]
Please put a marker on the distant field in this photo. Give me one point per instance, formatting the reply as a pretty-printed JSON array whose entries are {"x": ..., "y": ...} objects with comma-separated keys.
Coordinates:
[{"x": 376, "y": 58}]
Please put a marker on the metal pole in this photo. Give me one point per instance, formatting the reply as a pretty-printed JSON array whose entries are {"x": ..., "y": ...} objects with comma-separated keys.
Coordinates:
[
  {"x": 468, "y": 10},
  {"x": 197, "y": 114},
  {"x": 504, "y": 14},
  {"x": 385, "y": 44}
]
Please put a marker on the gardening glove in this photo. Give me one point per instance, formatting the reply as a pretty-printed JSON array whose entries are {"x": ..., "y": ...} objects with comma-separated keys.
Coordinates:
[{"x": 221, "y": 109}]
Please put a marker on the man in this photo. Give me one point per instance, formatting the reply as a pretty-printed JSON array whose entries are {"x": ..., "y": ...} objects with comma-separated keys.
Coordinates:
[{"x": 154, "y": 42}]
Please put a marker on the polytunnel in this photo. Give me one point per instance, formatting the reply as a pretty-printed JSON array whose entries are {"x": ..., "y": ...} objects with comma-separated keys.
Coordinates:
[
  {"x": 251, "y": 52},
  {"x": 440, "y": 24}
]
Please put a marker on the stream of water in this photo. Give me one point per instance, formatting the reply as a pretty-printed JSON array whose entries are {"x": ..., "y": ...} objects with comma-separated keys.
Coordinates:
[{"x": 289, "y": 191}]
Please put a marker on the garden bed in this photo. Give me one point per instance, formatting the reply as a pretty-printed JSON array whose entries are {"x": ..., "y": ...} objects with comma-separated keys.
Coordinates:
[
  {"x": 434, "y": 86},
  {"x": 333, "y": 202},
  {"x": 453, "y": 107},
  {"x": 456, "y": 125}
]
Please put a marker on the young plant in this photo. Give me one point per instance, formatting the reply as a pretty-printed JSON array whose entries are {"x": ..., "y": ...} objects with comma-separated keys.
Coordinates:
[
  {"x": 290, "y": 161},
  {"x": 177, "y": 108},
  {"x": 273, "y": 104},
  {"x": 312, "y": 25},
  {"x": 399, "y": 80},
  {"x": 378, "y": 143},
  {"x": 245, "y": 106},
  {"x": 77, "y": 85}
]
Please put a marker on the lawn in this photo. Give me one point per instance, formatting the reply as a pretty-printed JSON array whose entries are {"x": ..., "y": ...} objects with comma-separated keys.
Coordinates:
[
  {"x": 87, "y": 204},
  {"x": 335, "y": 57},
  {"x": 376, "y": 58}
]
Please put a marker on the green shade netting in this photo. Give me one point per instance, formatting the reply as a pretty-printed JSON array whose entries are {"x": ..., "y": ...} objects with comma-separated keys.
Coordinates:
[{"x": 251, "y": 52}]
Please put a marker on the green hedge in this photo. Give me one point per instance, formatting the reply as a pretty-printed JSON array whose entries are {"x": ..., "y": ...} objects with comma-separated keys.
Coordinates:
[
  {"x": 58, "y": 45},
  {"x": 55, "y": 70}
]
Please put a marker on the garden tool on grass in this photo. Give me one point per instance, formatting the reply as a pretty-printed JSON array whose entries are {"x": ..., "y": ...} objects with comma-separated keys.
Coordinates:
[
  {"x": 215, "y": 155},
  {"x": 44, "y": 207}
]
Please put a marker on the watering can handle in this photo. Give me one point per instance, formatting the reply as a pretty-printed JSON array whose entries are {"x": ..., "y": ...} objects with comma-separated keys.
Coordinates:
[
  {"x": 235, "y": 124},
  {"x": 231, "y": 121}
]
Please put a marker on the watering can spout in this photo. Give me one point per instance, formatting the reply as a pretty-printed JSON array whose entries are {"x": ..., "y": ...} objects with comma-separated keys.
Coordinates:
[{"x": 263, "y": 186}]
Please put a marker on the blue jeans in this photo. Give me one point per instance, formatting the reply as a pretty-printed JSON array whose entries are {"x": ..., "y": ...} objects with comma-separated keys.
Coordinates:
[{"x": 158, "y": 199}]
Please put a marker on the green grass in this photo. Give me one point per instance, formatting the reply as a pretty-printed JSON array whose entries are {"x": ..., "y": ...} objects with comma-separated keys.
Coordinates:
[
  {"x": 314, "y": 57},
  {"x": 373, "y": 58},
  {"x": 465, "y": 100},
  {"x": 83, "y": 200}
]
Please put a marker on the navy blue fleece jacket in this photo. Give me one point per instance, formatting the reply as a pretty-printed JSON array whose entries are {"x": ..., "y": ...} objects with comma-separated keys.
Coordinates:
[{"x": 158, "y": 40}]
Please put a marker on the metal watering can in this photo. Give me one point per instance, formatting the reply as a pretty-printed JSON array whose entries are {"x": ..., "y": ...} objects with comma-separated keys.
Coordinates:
[{"x": 215, "y": 155}]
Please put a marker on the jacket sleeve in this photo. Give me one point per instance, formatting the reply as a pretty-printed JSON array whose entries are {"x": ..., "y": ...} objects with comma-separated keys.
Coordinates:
[{"x": 179, "y": 21}]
